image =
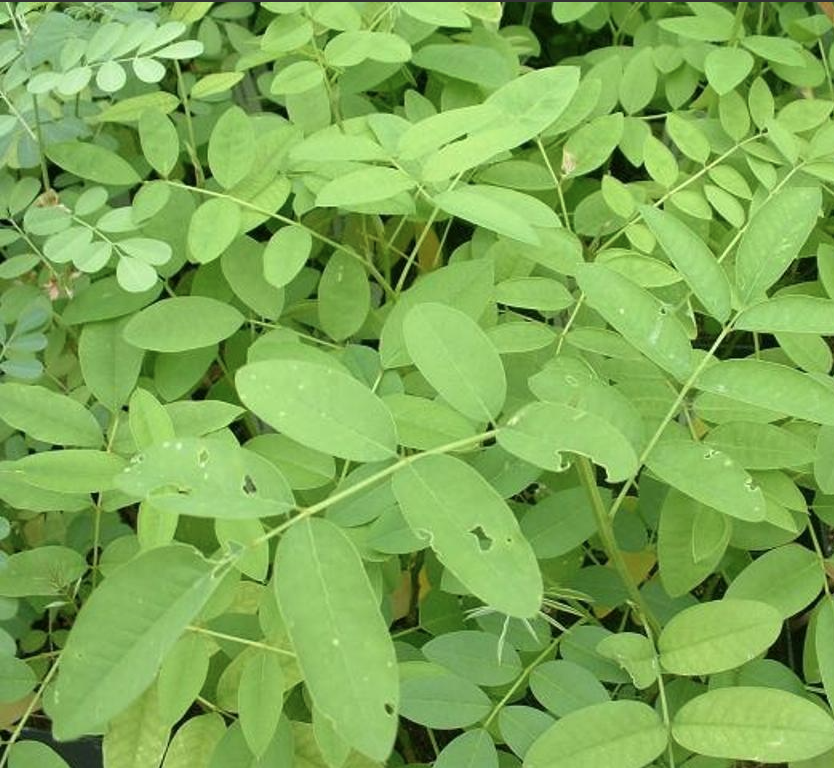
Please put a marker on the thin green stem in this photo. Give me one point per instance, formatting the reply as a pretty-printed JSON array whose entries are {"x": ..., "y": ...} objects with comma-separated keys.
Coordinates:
[
  {"x": 605, "y": 530},
  {"x": 557, "y": 184},
  {"x": 199, "y": 175},
  {"x": 241, "y": 640}
]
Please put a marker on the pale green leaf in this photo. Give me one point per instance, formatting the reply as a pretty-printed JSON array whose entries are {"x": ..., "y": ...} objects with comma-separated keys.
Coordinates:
[
  {"x": 319, "y": 407},
  {"x": 73, "y": 470},
  {"x": 286, "y": 253},
  {"x": 112, "y": 654},
  {"x": 472, "y": 531},
  {"x": 45, "y": 570},
  {"x": 109, "y": 364},
  {"x": 753, "y": 723},
  {"x": 232, "y": 147},
  {"x": 343, "y": 646},
  {"x": 563, "y": 687},
  {"x": 457, "y": 358},
  {"x": 260, "y": 699},
  {"x": 718, "y": 635},
  {"x": 472, "y": 748},
  {"x": 213, "y": 227},
  {"x": 92, "y": 162},
  {"x": 628, "y": 734},
  {"x": 344, "y": 296},
  {"x": 789, "y": 314}
]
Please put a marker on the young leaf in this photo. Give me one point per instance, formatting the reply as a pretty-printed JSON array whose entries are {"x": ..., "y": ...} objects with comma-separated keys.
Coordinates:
[
  {"x": 320, "y": 407},
  {"x": 112, "y": 654},
  {"x": 716, "y": 636},
  {"x": 457, "y": 358},
  {"x": 472, "y": 531},
  {"x": 628, "y": 734},
  {"x": 777, "y": 231},
  {"x": 754, "y": 723},
  {"x": 540, "y": 432},
  {"x": 772, "y": 386},
  {"x": 48, "y": 416},
  {"x": 182, "y": 323},
  {"x": 643, "y": 320},
  {"x": 342, "y": 643},
  {"x": 693, "y": 259}
]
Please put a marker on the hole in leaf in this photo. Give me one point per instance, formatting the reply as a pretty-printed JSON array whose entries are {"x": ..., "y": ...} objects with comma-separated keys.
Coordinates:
[
  {"x": 389, "y": 708},
  {"x": 484, "y": 541},
  {"x": 249, "y": 487},
  {"x": 202, "y": 458}
]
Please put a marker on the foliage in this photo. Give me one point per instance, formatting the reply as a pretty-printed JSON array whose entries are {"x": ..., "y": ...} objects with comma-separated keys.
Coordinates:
[{"x": 417, "y": 383}]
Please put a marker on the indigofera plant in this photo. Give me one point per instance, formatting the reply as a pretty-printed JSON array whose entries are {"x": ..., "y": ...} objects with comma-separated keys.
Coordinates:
[{"x": 417, "y": 384}]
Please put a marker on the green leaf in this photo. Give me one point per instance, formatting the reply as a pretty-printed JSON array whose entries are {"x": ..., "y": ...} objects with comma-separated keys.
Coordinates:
[
  {"x": 757, "y": 724},
  {"x": 351, "y": 48},
  {"x": 628, "y": 734},
  {"x": 207, "y": 478},
  {"x": 344, "y": 296},
  {"x": 693, "y": 259},
  {"x": 540, "y": 293},
  {"x": 260, "y": 699},
  {"x": 160, "y": 141},
  {"x": 711, "y": 23},
  {"x": 424, "y": 424},
  {"x": 298, "y": 77},
  {"x": 472, "y": 748},
  {"x": 109, "y": 364},
  {"x": 34, "y": 754},
  {"x": 471, "y": 204},
  {"x": 789, "y": 314},
  {"x": 137, "y": 738},
  {"x": 213, "y": 227},
  {"x": 214, "y": 83},
  {"x": 824, "y": 461},
  {"x": 639, "y": 81},
  {"x": 691, "y": 540},
  {"x": 708, "y": 476},
  {"x": 73, "y": 470},
  {"x": 471, "y": 63},
  {"x": 48, "y": 416},
  {"x": 457, "y": 358},
  {"x": 333, "y": 619},
  {"x": 716, "y": 636},
  {"x": 660, "y": 162},
  {"x": 92, "y": 162},
  {"x": 17, "y": 679},
  {"x": 195, "y": 740},
  {"x": 541, "y": 432},
  {"x": 789, "y": 578},
  {"x": 321, "y": 408},
  {"x": 642, "y": 319},
  {"x": 182, "y": 674},
  {"x": 726, "y": 68},
  {"x": 760, "y": 446},
  {"x": 591, "y": 145},
  {"x": 182, "y": 323},
  {"x": 772, "y": 386},
  {"x": 286, "y": 253},
  {"x": 436, "y": 698},
  {"x": 472, "y": 531},
  {"x": 232, "y": 147},
  {"x": 689, "y": 138},
  {"x": 773, "y": 239},
  {"x": 148, "y": 420},
  {"x": 520, "y": 726},
  {"x": 112, "y": 654},
  {"x": 563, "y": 687},
  {"x": 46, "y": 570},
  {"x": 635, "y": 654},
  {"x": 368, "y": 185},
  {"x": 130, "y": 110},
  {"x": 475, "y": 656}
]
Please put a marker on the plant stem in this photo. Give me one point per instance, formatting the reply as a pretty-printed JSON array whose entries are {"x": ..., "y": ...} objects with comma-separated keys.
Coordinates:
[
  {"x": 241, "y": 640},
  {"x": 605, "y": 529}
]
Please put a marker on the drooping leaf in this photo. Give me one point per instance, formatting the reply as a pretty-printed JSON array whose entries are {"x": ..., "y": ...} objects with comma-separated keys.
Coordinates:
[
  {"x": 342, "y": 643},
  {"x": 320, "y": 407},
  {"x": 753, "y": 723},
  {"x": 472, "y": 531},
  {"x": 112, "y": 654}
]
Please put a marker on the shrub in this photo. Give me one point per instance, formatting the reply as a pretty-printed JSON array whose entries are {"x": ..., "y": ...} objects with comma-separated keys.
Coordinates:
[{"x": 417, "y": 382}]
